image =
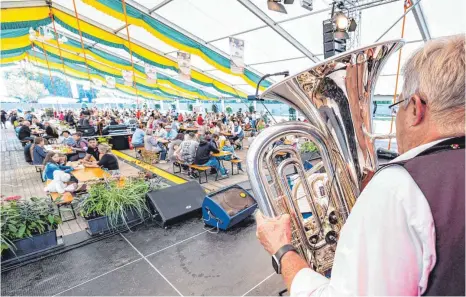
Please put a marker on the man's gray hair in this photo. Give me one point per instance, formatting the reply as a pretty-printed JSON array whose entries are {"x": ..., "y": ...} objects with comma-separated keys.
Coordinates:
[{"x": 436, "y": 72}]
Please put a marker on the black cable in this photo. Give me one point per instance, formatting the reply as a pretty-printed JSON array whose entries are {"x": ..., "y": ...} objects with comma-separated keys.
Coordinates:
[{"x": 285, "y": 73}]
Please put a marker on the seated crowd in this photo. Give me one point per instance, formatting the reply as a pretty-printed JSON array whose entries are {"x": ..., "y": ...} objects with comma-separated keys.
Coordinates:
[{"x": 188, "y": 139}]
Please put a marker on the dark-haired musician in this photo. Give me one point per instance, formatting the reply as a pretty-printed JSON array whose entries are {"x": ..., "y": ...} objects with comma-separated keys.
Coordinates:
[{"x": 405, "y": 235}]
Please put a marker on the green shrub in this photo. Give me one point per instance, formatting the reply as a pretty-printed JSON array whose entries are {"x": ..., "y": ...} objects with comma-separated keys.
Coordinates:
[
  {"x": 114, "y": 199},
  {"x": 25, "y": 218}
]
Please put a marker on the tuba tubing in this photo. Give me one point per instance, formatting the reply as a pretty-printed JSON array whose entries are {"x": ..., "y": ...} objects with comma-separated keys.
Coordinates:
[{"x": 335, "y": 98}]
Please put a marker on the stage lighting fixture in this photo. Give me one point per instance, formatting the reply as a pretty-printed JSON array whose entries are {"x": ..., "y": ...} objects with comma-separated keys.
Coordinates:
[
  {"x": 341, "y": 22},
  {"x": 275, "y": 5},
  {"x": 352, "y": 26}
]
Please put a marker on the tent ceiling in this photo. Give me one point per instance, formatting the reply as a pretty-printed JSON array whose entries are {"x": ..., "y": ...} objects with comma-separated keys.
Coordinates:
[{"x": 212, "y": 21}]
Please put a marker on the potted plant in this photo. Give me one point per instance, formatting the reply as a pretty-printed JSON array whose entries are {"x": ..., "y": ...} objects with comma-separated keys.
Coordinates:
[
  {"x": 309, "y": 151},
  {"x": 157, "y": 106},
  {"x": 190, "y": 107},
  {"x": 114, "y": 204},
  {"x": 251, "y": 108},
  {"x": 229, "y": 110},
  {"x": 27, "y": 226},
  {"x": 214, "y": 108}
]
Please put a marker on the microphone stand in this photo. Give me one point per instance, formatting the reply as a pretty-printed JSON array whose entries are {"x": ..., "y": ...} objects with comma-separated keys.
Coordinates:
[{"x": 256, "y": 96}]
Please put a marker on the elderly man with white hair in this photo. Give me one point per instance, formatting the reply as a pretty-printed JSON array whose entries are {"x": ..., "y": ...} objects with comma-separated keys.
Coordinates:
[{"x": 406, "y": 232}]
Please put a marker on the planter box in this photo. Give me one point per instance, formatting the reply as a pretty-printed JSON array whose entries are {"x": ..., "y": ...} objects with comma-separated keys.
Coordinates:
[
  {"x": 30, "y": 245},
  {"x": 101, "y": 224}
]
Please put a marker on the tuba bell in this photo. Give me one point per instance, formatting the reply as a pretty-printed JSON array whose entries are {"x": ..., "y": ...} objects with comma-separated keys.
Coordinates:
[{"x": 335, "y": 98}]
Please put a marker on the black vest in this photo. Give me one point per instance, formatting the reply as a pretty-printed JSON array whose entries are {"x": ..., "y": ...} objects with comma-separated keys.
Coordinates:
[{"x": 440, "y": 174}]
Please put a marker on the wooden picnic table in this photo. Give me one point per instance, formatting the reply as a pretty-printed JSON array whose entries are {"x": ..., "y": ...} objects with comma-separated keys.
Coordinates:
[
  {"x": 64, "y": 149},
  {"x": 189, "y": 129},
  {"x": 37, "y": 132},
  {"x": 87, "y": 174},
  {"x": 221, "y": 154}
]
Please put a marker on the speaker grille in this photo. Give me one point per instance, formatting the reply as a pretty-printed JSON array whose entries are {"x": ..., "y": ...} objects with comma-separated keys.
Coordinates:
[{"x": 233, "y": 200}]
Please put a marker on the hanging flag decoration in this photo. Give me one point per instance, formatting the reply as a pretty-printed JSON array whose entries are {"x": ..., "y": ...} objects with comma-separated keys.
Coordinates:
[
  {"x": 184, "y": 63},
  {"x": 110, "y": 81},
  {"x": 237, "y": 55},
  {"x": 151, "y": 73},
  {"x": 128, "y": 77}
]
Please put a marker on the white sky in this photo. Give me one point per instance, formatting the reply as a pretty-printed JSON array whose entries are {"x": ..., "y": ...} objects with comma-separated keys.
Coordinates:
[{"x": 214, "y": 19}]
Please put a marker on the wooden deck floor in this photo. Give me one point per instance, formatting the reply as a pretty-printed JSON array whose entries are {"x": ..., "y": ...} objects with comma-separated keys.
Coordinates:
[
  {"x": 211, "y": 185},
  {"x": 19, "y": 178}
]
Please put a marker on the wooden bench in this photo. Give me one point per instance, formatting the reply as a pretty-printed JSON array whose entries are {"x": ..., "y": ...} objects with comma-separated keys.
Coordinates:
[
  {"x": 62, "y": 200},
  {"x": 234, "y": 161},
  {"x": 39, "y": 169},
  {"x": 201, "y": 169}
]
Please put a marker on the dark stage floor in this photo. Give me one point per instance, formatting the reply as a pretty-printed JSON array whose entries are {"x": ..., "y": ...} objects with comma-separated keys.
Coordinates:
[{"x": 182, "y": 260}]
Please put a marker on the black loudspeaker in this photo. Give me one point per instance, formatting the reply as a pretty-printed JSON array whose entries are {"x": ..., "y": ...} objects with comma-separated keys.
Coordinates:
[
  {"x": 176, "y": 202},
  {"x": 119, "y": 143}
]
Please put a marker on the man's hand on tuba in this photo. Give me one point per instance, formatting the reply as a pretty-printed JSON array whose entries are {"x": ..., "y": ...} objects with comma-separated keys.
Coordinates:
[{"x": 273, "y": 233}]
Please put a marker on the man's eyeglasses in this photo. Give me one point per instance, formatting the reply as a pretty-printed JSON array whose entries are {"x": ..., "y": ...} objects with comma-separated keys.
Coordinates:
[{"x": 396, "y": 106}]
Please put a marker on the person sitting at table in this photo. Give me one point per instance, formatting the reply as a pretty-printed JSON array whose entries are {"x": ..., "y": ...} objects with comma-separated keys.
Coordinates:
[
  {"x": 37, "y": 123},
  {"x": 204, "y": 158},
  {"x": 186, "y": 152},
  {"x": 171, "y": 134},
  {"x": 28, "y": 153},
  {"x": 61, "y": 183},
  {"x": 200, "y": 120},
  {"x": 24, "y": 132},
  {"x": 151, "y": 144},
  {"x": 80, "y": 145},
  {"x": 138, "y": 137},
  {"x": 107, "y": 160},
  {"x": 160, "y": 131},
  {"x": 175, "y": 125},
  {"x": 180, "y": 117},
  {"x": 38, "y": 151},
  {"x": 228, "y": 147},
  {"x": 218, "y": 128},
  {"x": 66, "y": 138},
  {"x": 236, "y": 132},
  {"x": 173, "y": 146},
  {"x": 189, "y": 123},
  {"x": 50, "y": 131},
  {"x": 150, "y": 123},
  {"x": 51, "y": 163},
  {"x": 92, "y": 153},
  {"x": 61, "y": 116},
  {"x": 113, "y": 121}
]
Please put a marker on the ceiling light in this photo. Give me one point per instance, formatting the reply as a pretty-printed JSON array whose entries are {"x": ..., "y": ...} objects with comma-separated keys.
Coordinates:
[
  {"x": 275, "y": 5},
  {"x": 341, "y": 22}
]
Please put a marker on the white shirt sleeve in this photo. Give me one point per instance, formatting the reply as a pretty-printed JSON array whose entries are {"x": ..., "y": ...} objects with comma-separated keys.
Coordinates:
[{"x": 386, "y": 247}]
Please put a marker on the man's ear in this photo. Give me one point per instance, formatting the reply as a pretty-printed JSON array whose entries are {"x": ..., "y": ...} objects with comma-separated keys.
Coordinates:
[{"x": 418, "y": 110}]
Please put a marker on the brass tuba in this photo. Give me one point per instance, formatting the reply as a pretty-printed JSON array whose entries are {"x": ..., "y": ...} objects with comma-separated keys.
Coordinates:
[{"x": 335, "y": 98}]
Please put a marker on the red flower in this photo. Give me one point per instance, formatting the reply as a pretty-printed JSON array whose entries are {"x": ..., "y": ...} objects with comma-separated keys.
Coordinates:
[{"x": 12, "y": 198}]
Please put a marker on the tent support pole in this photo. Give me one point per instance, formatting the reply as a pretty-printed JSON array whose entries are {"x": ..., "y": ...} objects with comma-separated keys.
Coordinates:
[
  {"x": 407, "y": 5},
  {"x": 82, "y": 43},
  {"x": 130, "y": 51}
]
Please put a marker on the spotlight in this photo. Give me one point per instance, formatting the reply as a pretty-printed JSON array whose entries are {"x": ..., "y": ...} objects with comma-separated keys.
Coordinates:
[
  {"x": 341, "y": 22},
  {"x": 275, "y": 5}
]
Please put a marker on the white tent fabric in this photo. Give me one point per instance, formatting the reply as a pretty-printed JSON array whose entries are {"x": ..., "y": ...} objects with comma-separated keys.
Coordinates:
[{"x": 266, "y": 51}]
